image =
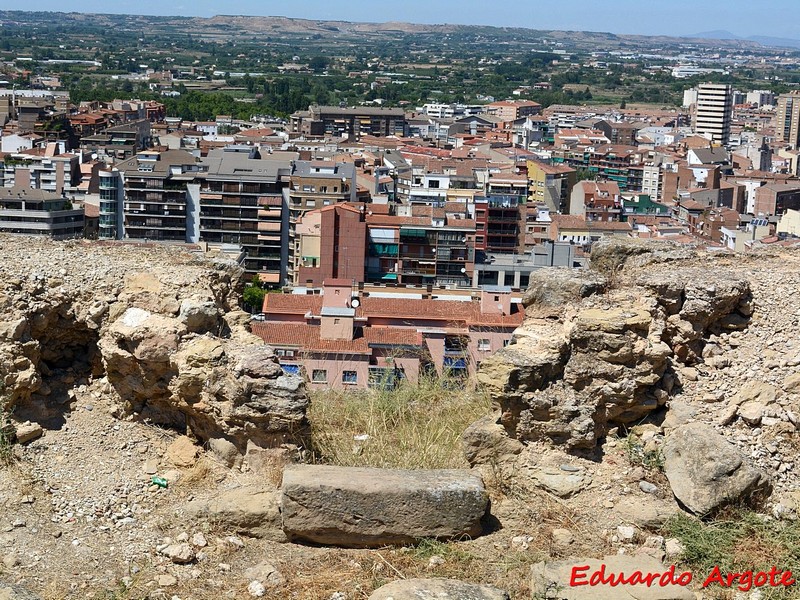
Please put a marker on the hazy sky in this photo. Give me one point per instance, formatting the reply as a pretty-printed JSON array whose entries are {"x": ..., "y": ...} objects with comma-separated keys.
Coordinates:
[{"x": 671, "y": 17}]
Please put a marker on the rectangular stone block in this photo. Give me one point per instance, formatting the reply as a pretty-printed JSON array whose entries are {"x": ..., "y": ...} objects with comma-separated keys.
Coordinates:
[{"x": 364, "y": 507}]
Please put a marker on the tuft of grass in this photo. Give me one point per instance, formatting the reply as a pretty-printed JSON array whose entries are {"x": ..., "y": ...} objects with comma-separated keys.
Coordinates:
[
  {"x": 6, "y": 438},
  {"x": 738, "y": 540},
  {"x": 637, "y": 455},
  {"x": 414, "y": 426}
]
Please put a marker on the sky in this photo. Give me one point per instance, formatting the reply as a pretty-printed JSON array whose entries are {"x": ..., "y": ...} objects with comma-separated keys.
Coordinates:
[{"x": 647, "y": 17}]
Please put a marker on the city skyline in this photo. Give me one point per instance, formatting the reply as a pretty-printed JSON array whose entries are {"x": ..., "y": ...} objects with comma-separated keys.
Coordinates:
[{"x": 678, "y": 18}]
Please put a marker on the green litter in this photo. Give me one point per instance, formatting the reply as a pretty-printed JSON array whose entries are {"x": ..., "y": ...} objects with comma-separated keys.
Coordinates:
[{"x": 159, "y": 481}]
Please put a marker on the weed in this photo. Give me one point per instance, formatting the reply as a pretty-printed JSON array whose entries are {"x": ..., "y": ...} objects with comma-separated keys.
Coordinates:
[
  {"x": 638, "y": 455},
  {"x": 414, "y": 426},
  {"x": 739, "y": 540},
  {"x": 7, "y": 436}
]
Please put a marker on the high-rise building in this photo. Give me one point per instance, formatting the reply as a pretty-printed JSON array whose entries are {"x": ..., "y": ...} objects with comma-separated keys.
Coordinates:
[
  {"x": 787, "y": 129},
  {"x": 713, "y": 112}
]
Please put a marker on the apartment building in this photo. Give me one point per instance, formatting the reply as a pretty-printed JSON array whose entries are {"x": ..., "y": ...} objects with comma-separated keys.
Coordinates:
[
  {"x": 510, "y": 110},
  {"x": 332, "y": 245},
  {"x": 787, "y": 128},
  {"x": 713, "y": 112},
  {"x": 620, "y": 132},
  {"x": 38, "y": 212},
  {"x": 157, "y": 203},
  {"x": 47, "y": 168},
  {"x": 346, "y": 338},
  {"x": 435, "y": 247},
  {"x": 500, "y": 223},
  {"x": 596, "y": 201},
  {"x": 240, "y": 198},
  {"x": 344, "y": 122},
  {"x": 119, "y": 142},
  {"x": 110, "y": 213},
  {"x": 314, "y": 185},
  {"x": 550, "y": 184}
]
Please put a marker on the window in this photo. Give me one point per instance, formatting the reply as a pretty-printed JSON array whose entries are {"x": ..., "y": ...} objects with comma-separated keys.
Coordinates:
[
  {"x": 324, "y": 189},
  {"x": 337, "y": 321},
  {"x": 289, "y": 354},
  {"x": 311, "y": 203},
  {"x": 484, "y": 345},
  {"x": 319, "y": 376},
  {"x": 506, "y": 343},
  {"x": 350, "y": 377},
  {"x": 279, "y": 352}
]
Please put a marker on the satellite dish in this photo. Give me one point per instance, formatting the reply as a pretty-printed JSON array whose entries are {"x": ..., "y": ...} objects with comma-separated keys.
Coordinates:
[
  {"x": 355, "y": 303},
  {"x": 463, "y": 269}
]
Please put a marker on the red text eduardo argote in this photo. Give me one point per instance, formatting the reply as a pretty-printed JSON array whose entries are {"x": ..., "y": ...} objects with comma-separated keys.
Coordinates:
[{"x": 744, "y": 581}]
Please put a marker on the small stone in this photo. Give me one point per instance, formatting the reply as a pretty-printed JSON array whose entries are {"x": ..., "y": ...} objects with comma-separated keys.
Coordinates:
[
  {"x": 562, "y": 537},
  {"x": 751, "y": 412},
  {"x": 674, "y": 547},
  {"x": 182, "y": 452},
  {"x": 10, "y": 561},
  {"x": 199, "y": 540},
  {"x": 224, "y": 567},
  {"x": 626, "y": 533},
  {"x": 256, "y": 589},
  {"x": 435, "y": 561},
  {"x": 27, "y": 432},
  {"x": 18, "y": 523},
  {"x": 235, "y": 542},
  {"x": 27, "y": 499},
  {"x": 151, "y": 466},
  {"x": 689, "y": 373},
  {"x": 728, "y": 415},
  {"x": 182, "y": 537},
  {"x": 647, "y": 487},
  {"x": 521, "y": 542},
  {"x": 180, "y": 554},
  {"x": 166, "y": 580}
]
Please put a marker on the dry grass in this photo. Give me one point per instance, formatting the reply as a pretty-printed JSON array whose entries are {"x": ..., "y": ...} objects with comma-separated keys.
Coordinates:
[
  {"x": 416, "y": 426},
  {"x": 739, "y": 540}
]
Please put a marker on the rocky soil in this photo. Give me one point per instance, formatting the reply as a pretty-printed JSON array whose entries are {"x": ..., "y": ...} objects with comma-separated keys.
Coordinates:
[{"x": 660, "y": 382}]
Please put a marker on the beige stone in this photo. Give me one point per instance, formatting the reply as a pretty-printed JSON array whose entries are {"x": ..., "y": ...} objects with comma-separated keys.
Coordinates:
[
  {"x": 182, "y": 452},
  {"x": 363, "y": 507}
]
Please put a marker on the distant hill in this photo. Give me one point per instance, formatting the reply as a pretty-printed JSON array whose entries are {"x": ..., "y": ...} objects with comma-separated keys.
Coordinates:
[
  {"x": 717, "y": 34},
  {"x": 764, "y": 40},
  {"x": 221, "y": 27}
]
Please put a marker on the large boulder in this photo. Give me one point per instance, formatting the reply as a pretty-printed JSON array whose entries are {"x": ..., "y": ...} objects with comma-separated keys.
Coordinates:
[
  {"x": 706, "y": 472},
  {"x": 610, "y": 255},
  {"x": 437, "y": 589},
  {"x": 159, "y": 324},
  {"x": 365, "y": 507},
  {"x": 559, "y": 286},
  {"x": 597, "y": 352},
  {"x": 218, "y": 387}
]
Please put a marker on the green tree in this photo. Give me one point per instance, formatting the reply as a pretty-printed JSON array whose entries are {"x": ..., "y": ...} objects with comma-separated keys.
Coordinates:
[{"x": 254, "y": 295}]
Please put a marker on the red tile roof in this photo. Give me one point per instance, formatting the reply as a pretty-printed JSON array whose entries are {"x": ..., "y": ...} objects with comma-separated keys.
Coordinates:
[
  {"x": 301, "y": 335},
  {"x": 448, "y": 311}
]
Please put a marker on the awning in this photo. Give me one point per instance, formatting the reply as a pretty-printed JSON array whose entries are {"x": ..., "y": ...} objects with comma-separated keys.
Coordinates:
[{"x": 390, "y": 276}]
